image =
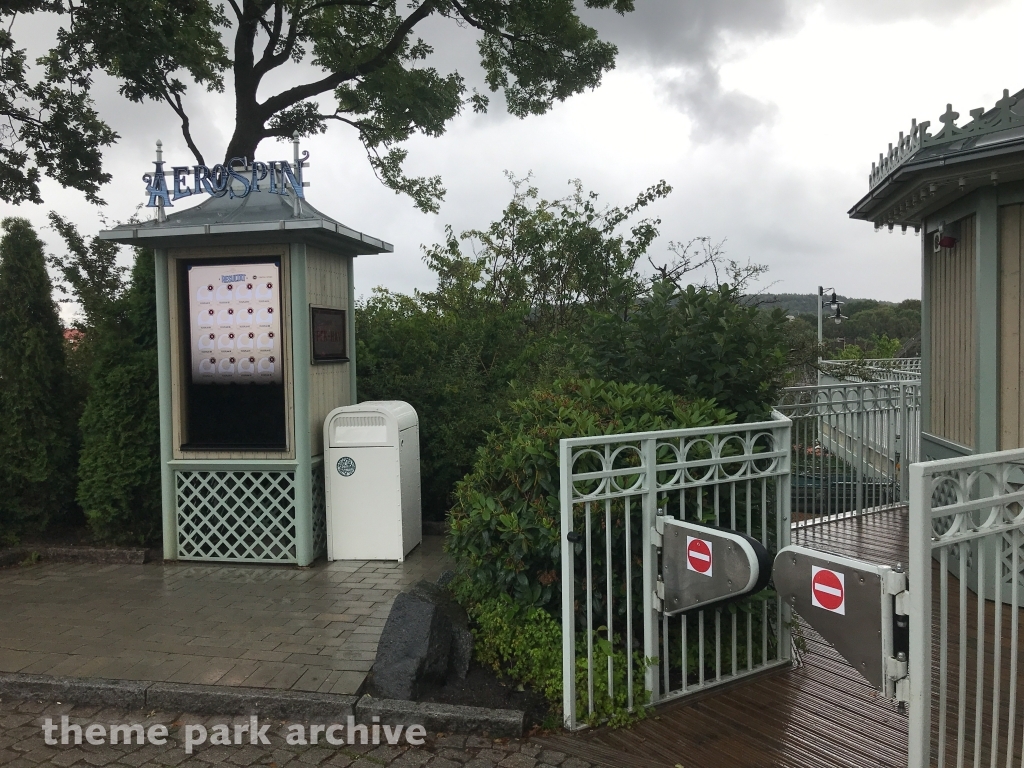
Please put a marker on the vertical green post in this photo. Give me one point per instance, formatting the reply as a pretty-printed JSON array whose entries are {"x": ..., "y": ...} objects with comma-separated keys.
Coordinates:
[
  {"x": 350, "y": 264},
  {"x": 300, "y": 387},
  {"x": 926, "y": 333},
  {"x": 986, "y": 363},
  {"x": 168, "y": 505}
]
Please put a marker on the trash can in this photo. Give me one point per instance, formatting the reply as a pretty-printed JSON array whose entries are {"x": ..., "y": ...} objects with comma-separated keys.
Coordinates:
[{"x": 372, "y": 481}]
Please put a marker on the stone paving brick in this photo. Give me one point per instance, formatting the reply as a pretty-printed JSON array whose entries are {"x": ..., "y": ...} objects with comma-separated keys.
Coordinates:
[
  {"x": 551, "y": 757},
  {"x": 518, "y": 760}
]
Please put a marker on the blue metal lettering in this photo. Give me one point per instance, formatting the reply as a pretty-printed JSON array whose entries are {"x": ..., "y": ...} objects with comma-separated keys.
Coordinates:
[
  {"x": 180, "y": 182},
  {"x": 288, "y": 180},
  {"x": 156, "y": 186},
  {"x": 233, "y": 174},
  {"x": 261, "y": 169}
]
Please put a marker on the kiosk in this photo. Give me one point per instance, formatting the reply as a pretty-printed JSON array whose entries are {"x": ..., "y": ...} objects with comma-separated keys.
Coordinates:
[{"x": 256, "y": 345}]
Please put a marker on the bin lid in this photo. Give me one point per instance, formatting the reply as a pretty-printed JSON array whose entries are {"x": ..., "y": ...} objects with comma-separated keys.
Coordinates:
[{"x": 374, "y": 422}]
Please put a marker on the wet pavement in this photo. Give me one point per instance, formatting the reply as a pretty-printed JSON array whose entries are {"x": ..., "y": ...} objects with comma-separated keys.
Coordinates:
[{"x": 265, "y": 626}]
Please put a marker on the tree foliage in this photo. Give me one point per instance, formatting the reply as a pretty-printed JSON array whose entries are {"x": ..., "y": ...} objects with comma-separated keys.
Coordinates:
[
  {"x": 368, "y": 63},
  {"x": 510, "y": 307},
  {"x": 48, "y": 124},
  {"x": 119, "y": 468},
  {"x": 37, "y": 429},
  {"x": 696, "y": 342}
]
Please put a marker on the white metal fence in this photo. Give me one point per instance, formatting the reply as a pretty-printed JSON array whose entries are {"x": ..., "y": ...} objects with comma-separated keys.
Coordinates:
[
  {"x": 619, "y": 649},
  {"x": 967, "y": 588},
  {"x": 874, "y": 369},
  {"x": 852, "y": 445}
]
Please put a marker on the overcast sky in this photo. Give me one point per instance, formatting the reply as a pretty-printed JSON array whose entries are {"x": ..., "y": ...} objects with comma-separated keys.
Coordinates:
[{"x": 764, "y": 115}]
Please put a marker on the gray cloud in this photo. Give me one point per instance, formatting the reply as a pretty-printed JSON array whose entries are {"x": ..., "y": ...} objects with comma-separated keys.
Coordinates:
[{"x": 717, "y": 114}]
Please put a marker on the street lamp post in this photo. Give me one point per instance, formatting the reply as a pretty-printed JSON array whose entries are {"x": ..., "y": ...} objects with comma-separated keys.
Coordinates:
[{"x": 835, "y": 313}]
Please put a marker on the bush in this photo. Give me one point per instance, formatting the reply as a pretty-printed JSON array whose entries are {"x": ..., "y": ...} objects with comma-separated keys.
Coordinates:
[
  {"x": 525, "y": 643},
  {"x": 37, "y": 429},
  {"x": 698, "y": 343},
  {"x": 504, "y": 526},
  {"x": 119, "y": 471}
]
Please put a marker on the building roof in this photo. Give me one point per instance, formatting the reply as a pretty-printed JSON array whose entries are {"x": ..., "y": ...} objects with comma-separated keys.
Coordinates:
[
  {"x": 266, "y": 216},
  {"x": 925, "y": 172}
]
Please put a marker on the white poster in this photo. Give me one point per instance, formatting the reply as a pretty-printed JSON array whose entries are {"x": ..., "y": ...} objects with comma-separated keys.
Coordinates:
[{"x": 235, "y": 314}]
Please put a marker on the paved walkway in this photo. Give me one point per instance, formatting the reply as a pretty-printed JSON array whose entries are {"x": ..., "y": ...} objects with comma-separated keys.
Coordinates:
[
  {"x": 312, "y": 629},
  {"x": 22, "y": 745}
]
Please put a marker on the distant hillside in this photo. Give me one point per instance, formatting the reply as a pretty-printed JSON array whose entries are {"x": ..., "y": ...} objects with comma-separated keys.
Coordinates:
[{"x": 798, "y": 303}]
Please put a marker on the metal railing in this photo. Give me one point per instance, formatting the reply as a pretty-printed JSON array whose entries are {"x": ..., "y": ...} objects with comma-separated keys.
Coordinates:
[
  {"x": 873, "y": 369},
  {"x": 967, "y": 585},
  {"x": 852, "y": 445},
  {"x": 618, "y": 648}
]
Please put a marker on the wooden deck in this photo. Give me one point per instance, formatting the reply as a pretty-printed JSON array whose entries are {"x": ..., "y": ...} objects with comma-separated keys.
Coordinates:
[{"x": 821, "y": 714}]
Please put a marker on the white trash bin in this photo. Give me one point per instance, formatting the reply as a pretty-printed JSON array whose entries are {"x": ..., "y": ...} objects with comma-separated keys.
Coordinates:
[{"x": 372, "y": 479}]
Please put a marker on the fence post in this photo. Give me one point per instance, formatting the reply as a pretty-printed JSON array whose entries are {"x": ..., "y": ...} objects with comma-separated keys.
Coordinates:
[
  {"x": 650, "y": 565},
  {"x": 903, "y": 457},
  {"x": 568, "y": 587},
  {"x": 919, "y": 573}
]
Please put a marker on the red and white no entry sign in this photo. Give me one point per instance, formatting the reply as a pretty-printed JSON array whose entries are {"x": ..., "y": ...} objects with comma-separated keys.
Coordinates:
[
  {"x": 828, "y": 590},
  {"x": 698, "y": 555}
]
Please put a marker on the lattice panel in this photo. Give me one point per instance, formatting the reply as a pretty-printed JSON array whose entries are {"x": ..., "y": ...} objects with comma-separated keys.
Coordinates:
[
  {"x": 237, "y": 516},
  {"x": 319, "y": 511}
]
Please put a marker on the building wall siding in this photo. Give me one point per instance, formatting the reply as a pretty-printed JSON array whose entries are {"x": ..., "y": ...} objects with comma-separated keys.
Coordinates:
[
  {"x": 953, "y": 320},
  {"x": 326, "y": 286},
  {"x": 1011, "y": 356}
]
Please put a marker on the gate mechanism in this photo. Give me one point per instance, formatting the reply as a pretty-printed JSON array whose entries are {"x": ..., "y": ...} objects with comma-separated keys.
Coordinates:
[
  {"x": 860, "y": 608},
  {"x": 702, "y": 565}
]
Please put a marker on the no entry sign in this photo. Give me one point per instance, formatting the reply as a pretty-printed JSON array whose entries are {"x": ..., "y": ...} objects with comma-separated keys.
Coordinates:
[
  {"x": 828, "y": 590},
  {"x": 698, "y": 555}
]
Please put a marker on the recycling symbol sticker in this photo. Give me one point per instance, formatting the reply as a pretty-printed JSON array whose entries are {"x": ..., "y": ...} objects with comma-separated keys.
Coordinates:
[{"x": 346, "y": 466}]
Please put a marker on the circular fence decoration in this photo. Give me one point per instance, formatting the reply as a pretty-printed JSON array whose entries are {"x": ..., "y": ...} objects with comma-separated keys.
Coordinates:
[{"x": 346, "y": 466}]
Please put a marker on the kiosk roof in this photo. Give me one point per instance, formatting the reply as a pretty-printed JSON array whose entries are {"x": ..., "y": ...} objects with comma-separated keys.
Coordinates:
[{"x": 267, "y": 215}]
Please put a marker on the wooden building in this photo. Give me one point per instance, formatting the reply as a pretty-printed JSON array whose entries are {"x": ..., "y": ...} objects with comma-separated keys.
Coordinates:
[
  {"x": 244, "y": 391},
  {"x": 962, "y": 189}
]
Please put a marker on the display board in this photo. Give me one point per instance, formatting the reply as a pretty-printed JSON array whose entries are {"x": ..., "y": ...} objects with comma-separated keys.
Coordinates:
[
  {"x": 235, "y": 313},
  {"x": 327, "y": 335}
]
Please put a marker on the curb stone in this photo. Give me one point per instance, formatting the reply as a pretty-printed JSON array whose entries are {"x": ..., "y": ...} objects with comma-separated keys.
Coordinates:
[
  {"x": 279, "y": 704},
  {"x": 98, "y": 555},
  {"x": 224, "y": 700},
  {"x": 449, "y": 718},
  {"x": 129, "y": 694}
]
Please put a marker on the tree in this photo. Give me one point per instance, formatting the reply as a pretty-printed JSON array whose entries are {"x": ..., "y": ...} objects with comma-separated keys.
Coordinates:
[
  {"x": 37, "y": 438},
  {"x": 373, "y": 72},
  {"x": 49, "y": 126},
  {"x": 119, "y": 468}
]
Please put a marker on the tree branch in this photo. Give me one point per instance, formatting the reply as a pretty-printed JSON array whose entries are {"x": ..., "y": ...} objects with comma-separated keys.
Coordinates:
[
  {"x": 174, "y": 99},
  {"x": 287, "y": 98}
]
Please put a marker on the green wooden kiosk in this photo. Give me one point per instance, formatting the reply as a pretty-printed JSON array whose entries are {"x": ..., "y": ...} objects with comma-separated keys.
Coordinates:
[
  {"x": 962, "y": 188},
  {"x": 256, "y": 344}
]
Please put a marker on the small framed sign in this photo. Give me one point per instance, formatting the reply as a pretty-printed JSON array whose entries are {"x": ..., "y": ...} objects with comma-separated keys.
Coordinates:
[{"x": 328, "y": 335}]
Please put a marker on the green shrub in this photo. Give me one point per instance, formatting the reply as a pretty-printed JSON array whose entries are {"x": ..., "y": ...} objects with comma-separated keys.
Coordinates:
[
  {"x": 37, "y": 429},
  {"x": 696, "y": 342},
  {"x": 504, "y": 526},
  {"x": 119, "y": 470},
  {"x": 525, "y": 644}
]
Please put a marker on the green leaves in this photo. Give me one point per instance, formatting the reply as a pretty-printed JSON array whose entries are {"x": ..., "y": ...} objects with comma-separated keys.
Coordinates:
[
  {"x": 697, "y": 342},
  {"x": 505, "y": 523},
  {"x": 37, "y": 417}
]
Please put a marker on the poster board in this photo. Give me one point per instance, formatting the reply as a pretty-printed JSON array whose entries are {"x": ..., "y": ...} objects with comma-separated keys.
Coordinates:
[
  {"x": 235, "y": 323},
  {"x": 328, "y": 335}
]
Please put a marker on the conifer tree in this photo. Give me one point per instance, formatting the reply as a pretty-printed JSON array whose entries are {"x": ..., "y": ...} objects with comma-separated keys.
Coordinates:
[
  {"x": 37, "y": 453},
  {"x": 119, "y": 473}
]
